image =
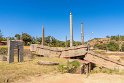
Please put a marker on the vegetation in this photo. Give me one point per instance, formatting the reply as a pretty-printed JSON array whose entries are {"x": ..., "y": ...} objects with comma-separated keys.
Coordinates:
[
  {"x": 3, "y": 50},
  {"x": 117, "y": 38},
  {"x": 105, "y": 70},
  {"x": 1, "y": 36},
  {"x": 49, "y": 40},
  {"x": 26, "y": 38},
  {"x": 70, "y": 67},
  {"x": 114, "y": 43},
  {"x": 16, "y": 71},
  {"x": 122, "y": 47},
  {"x": 100, "y": 46},
  {"x": 18, "y": 36},
  {"x": 112, "y": 46}
]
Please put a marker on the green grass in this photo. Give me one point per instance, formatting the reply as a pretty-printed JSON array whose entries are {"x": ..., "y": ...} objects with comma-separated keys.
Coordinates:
[{"x": 16, "y": 71}]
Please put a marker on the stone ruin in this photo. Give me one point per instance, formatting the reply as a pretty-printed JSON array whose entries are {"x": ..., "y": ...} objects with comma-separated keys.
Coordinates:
[{"x": 15, "y": 44}]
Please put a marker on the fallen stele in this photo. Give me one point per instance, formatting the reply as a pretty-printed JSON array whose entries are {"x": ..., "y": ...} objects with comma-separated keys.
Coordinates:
[{"x": 47, "y": 63}]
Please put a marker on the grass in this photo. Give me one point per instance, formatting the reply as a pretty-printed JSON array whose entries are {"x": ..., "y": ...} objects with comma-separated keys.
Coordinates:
[
  {"x": 16, "y": 71},
  {"x": 108, "y": 71}
]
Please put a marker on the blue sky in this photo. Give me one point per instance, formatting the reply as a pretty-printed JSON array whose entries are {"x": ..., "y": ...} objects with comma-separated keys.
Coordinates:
[{"x": 103, "y": 17}]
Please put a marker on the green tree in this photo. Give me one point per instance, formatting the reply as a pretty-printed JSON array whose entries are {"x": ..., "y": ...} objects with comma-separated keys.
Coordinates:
[
  {"x": 26, "y": 38},
  {"x": 18, "y": 36},
  {"x": 107, "y": 36},
  {"x": 11, "y": 38},
  {"x": 116, "y": 38},
  {"x": 112, "y": 46},
  {"x": 38, "y": 40}
]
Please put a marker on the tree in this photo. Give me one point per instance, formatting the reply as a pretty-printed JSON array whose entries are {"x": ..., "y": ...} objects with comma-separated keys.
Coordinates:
[
  {"x": 112, "y": 46},
  {"x": 1, "y": 36},
  {"x": 26, "y": 38},
  {"x": 107, "y": 36},
  {"x": 114, "y": 38},
  {"x": 77, "y": 43},
  {"x": 18, "y": 36}
]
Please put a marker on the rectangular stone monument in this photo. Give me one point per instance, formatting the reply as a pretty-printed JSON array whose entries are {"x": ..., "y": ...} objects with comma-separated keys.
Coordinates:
[{"x": 15, "y": 45}]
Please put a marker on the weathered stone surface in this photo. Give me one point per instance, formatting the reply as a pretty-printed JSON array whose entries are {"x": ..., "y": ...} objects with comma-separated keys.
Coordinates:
[
  {"x": 33, "y": 47},
  {"x": 47, "y": 63},
  {"x": 103, "y": 61},
  {"x": 15, "y": 45},
  {"x": 20, "y": 54},
  {"x": 3, "y": 58},
  {"x": 59, "y": 51}
]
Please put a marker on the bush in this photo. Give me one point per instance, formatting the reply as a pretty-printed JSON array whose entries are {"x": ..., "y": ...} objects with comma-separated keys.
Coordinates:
[
  {"x": 122, "y": 47},
  {"x": 100, "y": 46},
  {"x": 112, "y": 46},
  {"x": 3, "y": 50},
  {"x": 71, "y": 67}
]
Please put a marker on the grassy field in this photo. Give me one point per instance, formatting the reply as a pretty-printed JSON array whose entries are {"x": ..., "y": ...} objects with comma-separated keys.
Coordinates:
[{"x": 16, "y": 71}]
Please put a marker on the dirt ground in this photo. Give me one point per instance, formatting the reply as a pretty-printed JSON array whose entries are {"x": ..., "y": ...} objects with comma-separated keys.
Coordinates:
[{"x": 75, "y": 78}]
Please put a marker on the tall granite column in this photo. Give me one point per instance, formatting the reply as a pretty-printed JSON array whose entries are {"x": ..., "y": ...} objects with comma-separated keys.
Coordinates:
[
  {"x": 71, "y": 30},
  {"x": 82, "y": 33},
  {"x": 66, "y": 42}
]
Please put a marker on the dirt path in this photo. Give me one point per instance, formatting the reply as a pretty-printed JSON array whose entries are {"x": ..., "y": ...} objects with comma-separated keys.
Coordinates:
[{"x": 75, "y": 78}]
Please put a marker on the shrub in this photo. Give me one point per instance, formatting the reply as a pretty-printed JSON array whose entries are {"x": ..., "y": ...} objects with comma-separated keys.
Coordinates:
[
  {"x": 100, "y": 46},
  {"x": 112, "y": 46},
  {"x": 71, "y": 67},
  {"x": 122, "y": 47},
  {"x": 3, "y": 50}
]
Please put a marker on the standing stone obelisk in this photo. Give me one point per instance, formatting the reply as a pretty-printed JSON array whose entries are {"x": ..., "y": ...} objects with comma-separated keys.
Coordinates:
[
  {"x": 71, "y": 30},
  {"x": 82, "y": 33},
  {"x": 66, "y": 42},
  {"x": 42, "y": 36}
]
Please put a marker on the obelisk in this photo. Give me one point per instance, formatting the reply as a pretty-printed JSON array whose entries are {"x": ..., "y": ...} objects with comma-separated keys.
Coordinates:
[
  {"x": 66, "y": 42},
  {"x": 42, "y": 35},
  {"x": 71, "y": 30},
  {"x": 82, "y": 33}
]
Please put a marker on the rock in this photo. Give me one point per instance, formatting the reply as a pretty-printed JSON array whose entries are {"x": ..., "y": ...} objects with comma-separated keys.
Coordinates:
[{"x": 47, "y": 63}]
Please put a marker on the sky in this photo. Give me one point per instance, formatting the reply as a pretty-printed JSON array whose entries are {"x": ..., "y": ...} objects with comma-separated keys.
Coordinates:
[{"x": 102, "y": 17}]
